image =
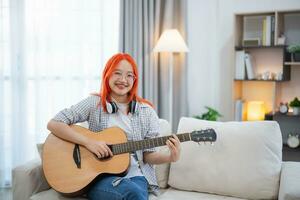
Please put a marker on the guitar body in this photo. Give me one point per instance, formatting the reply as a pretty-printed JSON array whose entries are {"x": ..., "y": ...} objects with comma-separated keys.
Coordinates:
[{"x": 62, "y": 172}]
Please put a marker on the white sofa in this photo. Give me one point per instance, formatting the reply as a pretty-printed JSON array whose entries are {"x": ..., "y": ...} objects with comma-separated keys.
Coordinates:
[{"x": 244, "y": 163}]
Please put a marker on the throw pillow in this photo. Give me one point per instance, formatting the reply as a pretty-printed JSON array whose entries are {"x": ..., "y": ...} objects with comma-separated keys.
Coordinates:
[{"x": 244, "y": 162}]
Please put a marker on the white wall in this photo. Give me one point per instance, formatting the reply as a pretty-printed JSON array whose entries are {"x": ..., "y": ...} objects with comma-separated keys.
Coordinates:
[
  {"x": 210, "y": 36},
  {"x": 201, "y": 59}
]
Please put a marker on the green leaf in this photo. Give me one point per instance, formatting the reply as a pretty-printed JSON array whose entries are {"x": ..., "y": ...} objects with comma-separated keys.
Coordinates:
[{"x": 210, "y": 115}]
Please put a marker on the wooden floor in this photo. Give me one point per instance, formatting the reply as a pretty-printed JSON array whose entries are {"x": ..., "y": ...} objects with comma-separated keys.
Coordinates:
[{"x": 5, "y": 194}]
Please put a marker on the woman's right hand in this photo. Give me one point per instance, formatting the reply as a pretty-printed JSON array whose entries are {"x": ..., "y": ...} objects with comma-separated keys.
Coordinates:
[{"x": 99, "y": 148}]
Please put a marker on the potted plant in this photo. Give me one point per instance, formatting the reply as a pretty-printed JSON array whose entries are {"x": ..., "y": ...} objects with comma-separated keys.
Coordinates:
[
  {"x": 210, "y": 115},
  {"x": 294, "y": 49},
  {"x": 295, "y": 104}
]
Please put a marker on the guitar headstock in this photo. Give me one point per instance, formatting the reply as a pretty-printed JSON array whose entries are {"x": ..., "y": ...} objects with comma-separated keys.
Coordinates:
[{"x": 206, "y": 135}]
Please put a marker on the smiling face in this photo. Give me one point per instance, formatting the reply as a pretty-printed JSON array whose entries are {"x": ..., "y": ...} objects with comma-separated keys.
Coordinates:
[{"x": 121, "y": 81}]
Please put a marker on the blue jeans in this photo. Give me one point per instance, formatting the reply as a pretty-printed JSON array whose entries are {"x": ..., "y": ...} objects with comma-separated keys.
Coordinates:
[{"x": 134, "y": 188}]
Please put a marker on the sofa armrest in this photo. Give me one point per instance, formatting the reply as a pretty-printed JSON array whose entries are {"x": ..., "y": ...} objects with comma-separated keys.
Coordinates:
[
  {"x": 289, "y": 181},
  {"x": 28, "y": 179}
]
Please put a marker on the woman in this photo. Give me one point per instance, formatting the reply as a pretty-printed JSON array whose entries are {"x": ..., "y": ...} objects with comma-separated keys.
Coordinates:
[{"x": 118, "y": 105}]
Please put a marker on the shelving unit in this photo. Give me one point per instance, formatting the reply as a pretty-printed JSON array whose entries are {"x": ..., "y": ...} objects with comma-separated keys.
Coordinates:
[
  {"x": 292, "y": 63},
  {"x": 273, "y": 58},
  {"x": 276, "y": 59}
]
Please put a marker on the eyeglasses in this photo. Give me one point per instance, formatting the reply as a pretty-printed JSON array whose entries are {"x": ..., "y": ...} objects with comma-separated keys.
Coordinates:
[{"x": 119, "y": 75}]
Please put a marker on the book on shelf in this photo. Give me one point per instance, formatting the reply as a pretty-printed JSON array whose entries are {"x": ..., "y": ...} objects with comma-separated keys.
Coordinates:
[
  {"x": 244, "y": 66},
  {"x": 264, "y": 32},
  {"x": 252, "y": 28},
  {"x": 240, "y": 65},
  {"x": 259, "y": 28},
  {"x": 240, "y": 110},
  {"x": 272, "y": 30},
  {"x": 249, "y": 63}
]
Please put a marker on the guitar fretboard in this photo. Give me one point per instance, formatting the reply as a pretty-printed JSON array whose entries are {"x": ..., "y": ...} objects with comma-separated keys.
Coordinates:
[{"x": 132, "y": 146}]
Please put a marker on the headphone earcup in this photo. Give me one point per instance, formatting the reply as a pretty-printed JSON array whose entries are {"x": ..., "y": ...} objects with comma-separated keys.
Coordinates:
[
  {"x": 111, "y": 107},
  {"x": 132, "y": 107}
]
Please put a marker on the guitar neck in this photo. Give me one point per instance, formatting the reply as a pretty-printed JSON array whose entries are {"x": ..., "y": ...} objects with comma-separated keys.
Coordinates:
[{"x": 132, "y": 146}]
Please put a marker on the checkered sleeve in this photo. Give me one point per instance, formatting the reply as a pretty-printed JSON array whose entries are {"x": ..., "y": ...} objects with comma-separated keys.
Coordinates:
[
  {"x": 76, "y": 113},
  {"x": 153, "y": 130}
]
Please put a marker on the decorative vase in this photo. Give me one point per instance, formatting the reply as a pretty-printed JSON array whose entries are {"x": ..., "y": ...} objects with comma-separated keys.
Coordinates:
[
  {"x": 296, "y": 110},
  {"x": 296, "y": 57}
]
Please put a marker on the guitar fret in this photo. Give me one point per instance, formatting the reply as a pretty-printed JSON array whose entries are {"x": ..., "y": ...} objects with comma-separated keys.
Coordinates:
[
  {"x": 119, "y": 149},
  {"x": 181, "y": 138},
  {"x": 115, "y": 149},
  {"x": 149, "y": 143},
  {"x": 137, "y": 146},
  {"x": 153, "y": 145},
  {"x": 132, "y": 147},
  {"x": 129, "y": 146},
  {"x": 124, "y": 148}
]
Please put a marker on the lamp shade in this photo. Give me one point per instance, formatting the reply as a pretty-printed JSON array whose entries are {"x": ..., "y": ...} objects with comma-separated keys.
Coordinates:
[
  {"x": 170, "y": 41},
  {"x": 255, "y": 110}
]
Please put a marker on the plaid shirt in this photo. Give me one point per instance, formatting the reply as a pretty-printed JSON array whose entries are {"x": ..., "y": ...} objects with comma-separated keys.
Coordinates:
[{"x": 144, "y": 123}]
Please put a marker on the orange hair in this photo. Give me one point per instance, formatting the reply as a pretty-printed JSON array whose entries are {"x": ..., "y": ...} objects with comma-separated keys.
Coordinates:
[{"x": 107, "y": 73}]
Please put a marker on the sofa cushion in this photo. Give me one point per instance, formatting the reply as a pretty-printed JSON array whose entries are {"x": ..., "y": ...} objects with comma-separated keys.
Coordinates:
[
  {"x": 244, "y": 162},
  {"x": 53, "y": 195},
  {"x": 173, "y": 194},
  {"x": 289, "y": 181}
]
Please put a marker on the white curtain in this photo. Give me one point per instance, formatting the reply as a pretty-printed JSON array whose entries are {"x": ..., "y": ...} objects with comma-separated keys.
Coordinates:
[
  {"x": 51, "y": 56},
  {"x": 142, "y": 22}
]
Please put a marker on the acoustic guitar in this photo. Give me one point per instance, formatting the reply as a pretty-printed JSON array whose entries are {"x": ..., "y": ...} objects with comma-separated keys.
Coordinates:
[{"x": 70, "y": 168}]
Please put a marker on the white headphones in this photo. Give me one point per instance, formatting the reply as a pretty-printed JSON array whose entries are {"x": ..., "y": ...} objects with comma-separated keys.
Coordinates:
[{"x": 112, "y": 107}]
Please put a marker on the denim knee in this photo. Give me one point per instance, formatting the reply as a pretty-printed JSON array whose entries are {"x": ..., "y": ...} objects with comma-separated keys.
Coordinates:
[{"x": 134, "y": 194}]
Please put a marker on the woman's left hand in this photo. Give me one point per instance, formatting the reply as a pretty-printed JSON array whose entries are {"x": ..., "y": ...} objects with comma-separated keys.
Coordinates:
[{"x": 174, "y": 146}]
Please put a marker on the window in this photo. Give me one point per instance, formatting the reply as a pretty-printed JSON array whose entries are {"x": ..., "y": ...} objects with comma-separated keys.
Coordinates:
[{"x": 52, "y": 55}]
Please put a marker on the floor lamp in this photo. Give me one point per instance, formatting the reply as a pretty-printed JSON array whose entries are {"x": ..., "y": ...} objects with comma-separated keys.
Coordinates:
[{"x": 171, "y": 41}]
